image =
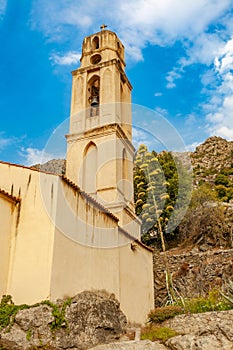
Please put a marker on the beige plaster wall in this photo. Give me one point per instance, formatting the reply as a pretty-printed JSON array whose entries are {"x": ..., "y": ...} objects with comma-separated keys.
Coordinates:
[
  {"x": 99, "y": 256},
  {"x": 86, "y": 251},
  {"x": 31, "y": 247},
  {"x": 119, "y": 270},
  {"x": 136, "y": 282},
  {"x": 8, "y": 208},
  {"x": 78, "y": 263}
]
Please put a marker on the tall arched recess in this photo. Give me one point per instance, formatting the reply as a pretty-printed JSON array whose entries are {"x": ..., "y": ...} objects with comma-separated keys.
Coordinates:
[
  {"x": 90, "y": 168},
  {"x": 124, "y": 173}
]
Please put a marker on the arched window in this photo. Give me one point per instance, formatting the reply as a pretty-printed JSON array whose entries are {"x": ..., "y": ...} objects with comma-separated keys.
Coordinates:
[
  {"x": 90, "y": 168},
  {"x": 94, "y": 94},
  {"x": 95, "y": 43}
]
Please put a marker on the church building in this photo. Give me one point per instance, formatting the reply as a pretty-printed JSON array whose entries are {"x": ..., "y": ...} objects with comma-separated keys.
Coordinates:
[{"x": 63, "y": 234}]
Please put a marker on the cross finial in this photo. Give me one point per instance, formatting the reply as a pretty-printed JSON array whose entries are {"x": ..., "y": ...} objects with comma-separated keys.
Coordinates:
[{"x": 103, "y": 26}]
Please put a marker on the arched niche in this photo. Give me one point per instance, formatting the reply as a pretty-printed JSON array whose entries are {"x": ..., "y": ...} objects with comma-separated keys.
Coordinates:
[
  {"x": 78, "y": 92},
  {"x": 108, "y": 86},
  {"x": 90, "y": 167}
]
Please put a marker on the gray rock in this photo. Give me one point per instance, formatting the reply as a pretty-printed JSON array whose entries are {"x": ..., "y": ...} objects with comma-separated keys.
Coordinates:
[
  {"x": 132, "y": 345},
  {"x": 204, "y": 342},
  {"x": 92, "y": 318}
]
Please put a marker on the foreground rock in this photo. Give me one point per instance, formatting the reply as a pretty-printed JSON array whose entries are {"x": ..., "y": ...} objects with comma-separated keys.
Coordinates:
[
  {"x": 94, "y": 321},
  {"x": 132, "y": 345},
  {"x": 206, "y": 331},
  {"x": 90, "y": 319}
]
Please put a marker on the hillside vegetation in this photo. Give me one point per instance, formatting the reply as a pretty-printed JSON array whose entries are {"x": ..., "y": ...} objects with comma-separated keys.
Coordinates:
[{"x": 162, "y": 186}]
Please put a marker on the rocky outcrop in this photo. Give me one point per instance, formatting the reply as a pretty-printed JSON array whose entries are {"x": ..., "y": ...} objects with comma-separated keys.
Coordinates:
[
  {"x": 94, "y": 321},
  {"x": 90, "y": 319},
  {"x": 210, "y": 157},
  {"x": 207, "y": 331},
  {"x": 132, "y": 345},
  {"x": 56, "y": 166}
]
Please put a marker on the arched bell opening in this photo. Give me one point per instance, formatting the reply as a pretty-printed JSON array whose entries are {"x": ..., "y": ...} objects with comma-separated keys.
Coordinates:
[
  {"x": 94, "y": 95},
  {"x": 95, "y": 43}
]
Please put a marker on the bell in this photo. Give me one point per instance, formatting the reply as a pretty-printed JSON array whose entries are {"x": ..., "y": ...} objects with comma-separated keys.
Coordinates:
[{"x": 94, "y": 101}]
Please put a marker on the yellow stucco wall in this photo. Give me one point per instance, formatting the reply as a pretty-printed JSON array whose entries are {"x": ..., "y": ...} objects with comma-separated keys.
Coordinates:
[
  {"x": 65, "y": 243},
  {"x": 8, "y": 214},
  {"x": 136, "y": 281},
  {"x": 100, "y": 257},
  {"x": 32, "y": 245}
]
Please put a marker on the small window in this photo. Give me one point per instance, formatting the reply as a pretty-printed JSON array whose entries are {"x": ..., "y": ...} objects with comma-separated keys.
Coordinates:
[{"x": 95, "y": 43}]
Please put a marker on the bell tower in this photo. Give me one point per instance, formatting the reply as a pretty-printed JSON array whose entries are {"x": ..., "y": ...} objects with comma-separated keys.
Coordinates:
[{"x": 99, "y": 144}]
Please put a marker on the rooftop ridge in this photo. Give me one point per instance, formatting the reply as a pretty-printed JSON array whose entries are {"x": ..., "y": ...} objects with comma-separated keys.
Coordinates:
[
  {"x": 88, "y": 197},
  {"x": 29, "y": 168}
]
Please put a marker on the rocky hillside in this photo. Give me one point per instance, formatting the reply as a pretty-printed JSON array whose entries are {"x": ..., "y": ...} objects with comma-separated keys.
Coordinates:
[
  {"x": 211, "y": 158},
  {"x": 56, "y": 166}
]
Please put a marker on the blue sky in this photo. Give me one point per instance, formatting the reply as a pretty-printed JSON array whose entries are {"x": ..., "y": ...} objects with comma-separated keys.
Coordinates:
[{"x": 179, "y": 56}]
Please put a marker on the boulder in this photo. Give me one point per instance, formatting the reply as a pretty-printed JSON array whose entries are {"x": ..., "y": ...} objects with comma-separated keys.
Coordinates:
[{"x": 92, "y": 318}]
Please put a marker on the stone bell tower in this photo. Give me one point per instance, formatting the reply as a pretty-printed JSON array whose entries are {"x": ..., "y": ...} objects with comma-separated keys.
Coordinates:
[{"x": 99, "y": 144}]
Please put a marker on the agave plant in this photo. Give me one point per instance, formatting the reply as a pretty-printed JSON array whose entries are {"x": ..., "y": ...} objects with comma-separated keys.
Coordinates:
[{"x": 229, "y": 295}]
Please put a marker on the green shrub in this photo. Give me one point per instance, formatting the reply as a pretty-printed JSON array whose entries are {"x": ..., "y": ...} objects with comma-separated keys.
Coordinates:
[
  {"x": 59, "y": 314},
  {"x": 161, "y": 314},
  {"x": 29, "y": 335},
  {"x": 213, "y": 302},
  {"x": 157, "y": 333},
  {"x": 8, "y": 311}
]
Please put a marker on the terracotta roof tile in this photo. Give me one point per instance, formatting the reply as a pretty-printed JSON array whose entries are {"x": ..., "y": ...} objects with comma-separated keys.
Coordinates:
[
  {"x": 10, "y": 196},
  {"x": 88, "y": 197}
]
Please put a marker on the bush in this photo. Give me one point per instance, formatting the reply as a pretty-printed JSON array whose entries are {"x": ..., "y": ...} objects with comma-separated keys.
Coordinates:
[
  {"x": 161, "y": 314},
  {"x": 8, "y": 311},
  {"x": 213, "y": 302},
  {"x": 157, "y": 333}
]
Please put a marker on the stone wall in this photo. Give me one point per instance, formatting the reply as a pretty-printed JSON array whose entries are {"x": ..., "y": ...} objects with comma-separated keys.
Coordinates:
[{"x": 194, "y": 273}]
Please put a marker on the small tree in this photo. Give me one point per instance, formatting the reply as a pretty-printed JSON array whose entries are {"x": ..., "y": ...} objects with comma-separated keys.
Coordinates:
[{"x": 152, "y": 201}]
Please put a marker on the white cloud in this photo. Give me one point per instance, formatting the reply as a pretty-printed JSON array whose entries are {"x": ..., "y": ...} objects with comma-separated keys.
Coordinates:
[
  {"x": 6, "y": 141},
  {"x": 32, "y": 156},
  {"x": 171, "y": 77},
  {"x": 220, "y": 106},
  {"x": 140, "y": 137},
  {"x": 67, "y": 59},
  {"x": 138, "y": 22},
  {"x": 2, "y": 8},
  {"x": 158, "y": 94},
  {"x": 221, "y": 121},
  {"x": 192, "y": 147},
  {"x": 162, "y": 111},
  {"x": 190, "y": 120},
  {"x": 224, "y": 62}
]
